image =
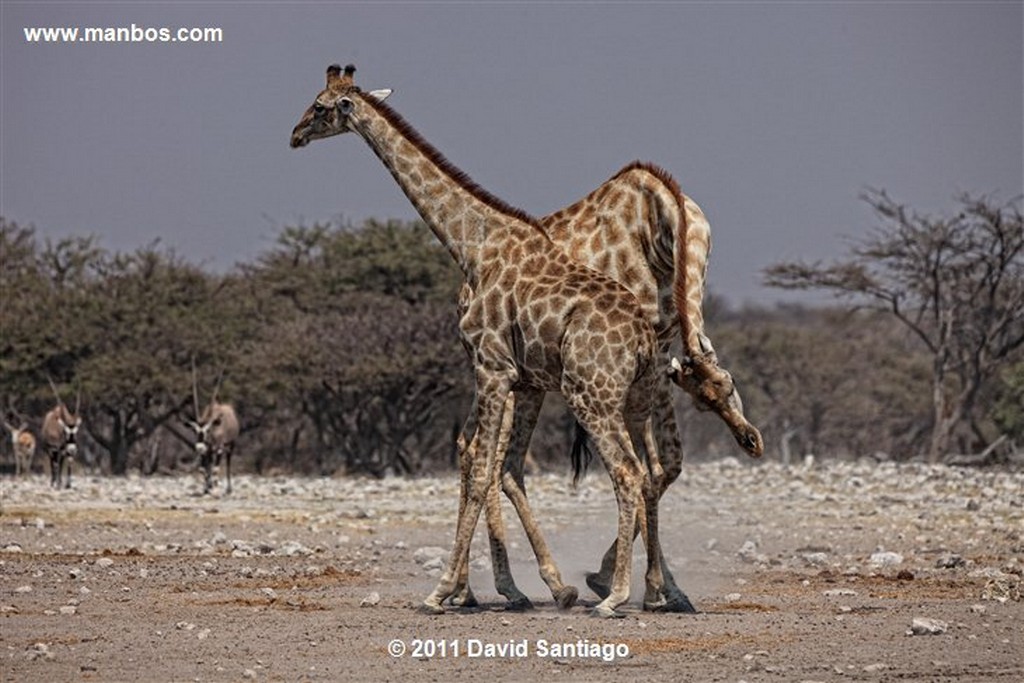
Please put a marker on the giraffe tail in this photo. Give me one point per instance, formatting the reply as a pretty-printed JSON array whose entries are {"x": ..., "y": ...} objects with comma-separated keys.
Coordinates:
[{"x": 582, "y": 455}]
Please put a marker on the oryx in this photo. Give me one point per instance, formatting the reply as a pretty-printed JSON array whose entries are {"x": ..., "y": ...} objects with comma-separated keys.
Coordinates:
[
  {"x": 60, "y": 434},
  {"x": 24, "y": 444},
  {"x": 216, "y": 429}
]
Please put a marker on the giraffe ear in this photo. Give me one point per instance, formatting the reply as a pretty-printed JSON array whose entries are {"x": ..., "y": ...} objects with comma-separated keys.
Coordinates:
[{"x": 380, "y": 95}]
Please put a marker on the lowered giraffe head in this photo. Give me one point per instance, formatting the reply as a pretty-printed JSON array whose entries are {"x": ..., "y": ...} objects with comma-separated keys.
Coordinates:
[
  {"x": 329, "y": 113},
  {"x": 712, "y": 389}
]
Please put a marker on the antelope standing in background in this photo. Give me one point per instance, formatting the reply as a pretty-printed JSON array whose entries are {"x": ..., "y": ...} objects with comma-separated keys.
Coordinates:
[
  {"x": 24, "y": 447},
  {"x": 216, "y": 429},
  {"x": 60, "y": 434}
]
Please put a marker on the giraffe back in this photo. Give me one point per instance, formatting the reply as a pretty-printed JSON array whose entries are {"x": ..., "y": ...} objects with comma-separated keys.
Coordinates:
[{"x": 641, "y": 230}]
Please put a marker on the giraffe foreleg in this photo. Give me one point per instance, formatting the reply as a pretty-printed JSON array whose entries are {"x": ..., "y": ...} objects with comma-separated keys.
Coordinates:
[
  {"x": 612, "y": 441},
  {"x": 661, "y": 434},
  {"x": 466, "y": 445},
  {"x": 492, "y": 393},
  {"x": 504, "y": 583},
  {"x": 528, "y": 406}
]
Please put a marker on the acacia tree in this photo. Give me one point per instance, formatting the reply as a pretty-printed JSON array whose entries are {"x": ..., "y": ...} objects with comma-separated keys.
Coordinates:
[
  {"x": 957, "y": 283},
  {"x": 148, "y": 314},
  {"x": 357, "y": 355}
]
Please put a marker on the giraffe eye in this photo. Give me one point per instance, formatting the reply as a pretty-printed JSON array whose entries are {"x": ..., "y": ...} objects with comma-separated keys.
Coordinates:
[{"x": 318, "y": 108}]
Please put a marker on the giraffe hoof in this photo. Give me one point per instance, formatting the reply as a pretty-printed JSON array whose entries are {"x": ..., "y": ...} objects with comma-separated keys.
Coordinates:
[
  {"x": 679, "y": 604},
  {"x": 567, "y": 597},
  {"x": 605, "y": 612},
  {"x": 596, "y": 584},
  {"x": 655, "y": 605},
  {"x": 431, "y": 608},
  {"x": 465, "y": 601},
  {"x": 522, "y": 604}
]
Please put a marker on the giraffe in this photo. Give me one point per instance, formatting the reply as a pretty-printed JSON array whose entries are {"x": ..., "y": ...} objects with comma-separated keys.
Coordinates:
[
  {"x": 640, "y": 229},
  {"x": 537, "y": 321}
]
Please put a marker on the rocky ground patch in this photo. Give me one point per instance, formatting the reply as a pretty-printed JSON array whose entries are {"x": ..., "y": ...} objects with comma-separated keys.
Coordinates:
[{"x": 827, "y": 572}]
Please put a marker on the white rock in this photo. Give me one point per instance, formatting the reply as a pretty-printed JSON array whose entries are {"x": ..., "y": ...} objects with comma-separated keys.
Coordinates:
[
  {"x": 68, "y": 610},
  {"x": 434, "y": 564},
  {"x": 928, "y": 627},
  {"x": 815, "y": 559},
  {"x": 370, "y": 600},
  {"x": 950, "y": 561},
  {"x": 269, "y": 593},
  {"x": 747, "y": 550},
  {"x": 39, "y": 651},
  {"x": 428, "y": 553},
  {"x": 104, "y": 562},
  {"x": 885, "y": 559},
  {"x": 292, "y": 548}
]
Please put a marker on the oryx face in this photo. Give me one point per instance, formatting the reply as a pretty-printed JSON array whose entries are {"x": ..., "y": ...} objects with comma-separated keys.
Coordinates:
[
  {"x": 202, "y": 431},
  {"x": 69, "y": 425}
]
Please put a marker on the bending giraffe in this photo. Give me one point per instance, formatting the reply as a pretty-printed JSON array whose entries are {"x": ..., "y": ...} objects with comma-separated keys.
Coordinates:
[
  {"x": 537, "y": 321},
  {"x": 640, "y": 229}
]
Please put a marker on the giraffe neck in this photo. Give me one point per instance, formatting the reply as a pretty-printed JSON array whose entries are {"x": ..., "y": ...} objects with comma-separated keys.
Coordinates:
[{"x": 460, "y": 213}]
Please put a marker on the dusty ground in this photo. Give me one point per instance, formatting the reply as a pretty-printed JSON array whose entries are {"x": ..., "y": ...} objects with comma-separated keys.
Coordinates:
[{"x": 801, "y": 574}]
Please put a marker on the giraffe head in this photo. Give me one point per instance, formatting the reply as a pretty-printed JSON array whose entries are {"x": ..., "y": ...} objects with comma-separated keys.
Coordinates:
[
  {"x": 331, "y": 111},
  {"x": 713, "y": 389}
]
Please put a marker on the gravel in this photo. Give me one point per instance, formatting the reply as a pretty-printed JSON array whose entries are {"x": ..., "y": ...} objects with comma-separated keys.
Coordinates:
[{"x": 299, "y": 578}]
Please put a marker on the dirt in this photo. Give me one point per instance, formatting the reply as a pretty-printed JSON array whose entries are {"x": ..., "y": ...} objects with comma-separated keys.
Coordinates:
[{"x": 811, "y": 573}]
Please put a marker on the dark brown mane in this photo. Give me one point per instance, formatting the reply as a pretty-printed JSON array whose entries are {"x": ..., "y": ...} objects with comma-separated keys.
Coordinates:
[
  {"x": 658, "y": 172},
  {"x": 447, "y": 167}
]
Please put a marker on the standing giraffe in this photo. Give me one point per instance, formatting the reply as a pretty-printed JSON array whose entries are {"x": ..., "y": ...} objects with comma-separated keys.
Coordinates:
[
  {"x": 640, "y": 229},
  {"x": 537, "y": 321}
]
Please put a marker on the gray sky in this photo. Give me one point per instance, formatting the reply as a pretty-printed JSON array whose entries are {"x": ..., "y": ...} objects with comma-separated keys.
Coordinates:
[{"x": 772, "y": 116}]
